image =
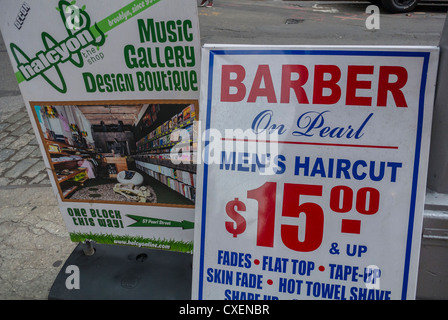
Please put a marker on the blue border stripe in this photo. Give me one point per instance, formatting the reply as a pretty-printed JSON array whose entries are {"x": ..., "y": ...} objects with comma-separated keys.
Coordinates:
[
  {"x": 204, "y": 190},
  {"x": 310, "y": 52},
  {"x": 418, "y": 143},
  {"x": 321, "y": 52}
]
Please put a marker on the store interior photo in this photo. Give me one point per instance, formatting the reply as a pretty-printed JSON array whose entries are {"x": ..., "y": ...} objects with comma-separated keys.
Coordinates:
[{"x": 121, "y": 152}]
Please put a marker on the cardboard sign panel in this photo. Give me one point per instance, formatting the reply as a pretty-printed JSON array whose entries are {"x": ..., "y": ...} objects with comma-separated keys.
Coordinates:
[
  {"x": 314, "y": 171},
  {"x": 112, "y": 90}
]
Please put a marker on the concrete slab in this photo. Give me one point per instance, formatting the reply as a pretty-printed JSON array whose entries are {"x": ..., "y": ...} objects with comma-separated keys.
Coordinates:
[{"x": 32, "y": 240}]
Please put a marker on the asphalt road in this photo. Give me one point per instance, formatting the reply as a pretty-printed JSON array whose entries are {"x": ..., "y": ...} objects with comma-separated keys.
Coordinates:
[{"x": 317, "y": 23}]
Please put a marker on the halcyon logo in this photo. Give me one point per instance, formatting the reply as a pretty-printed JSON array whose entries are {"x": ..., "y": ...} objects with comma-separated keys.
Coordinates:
[{"x": 45, "y": 63}]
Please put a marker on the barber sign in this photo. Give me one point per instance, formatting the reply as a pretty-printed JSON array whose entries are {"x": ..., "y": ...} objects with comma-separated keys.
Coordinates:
[{"x": 314, "y": 171}]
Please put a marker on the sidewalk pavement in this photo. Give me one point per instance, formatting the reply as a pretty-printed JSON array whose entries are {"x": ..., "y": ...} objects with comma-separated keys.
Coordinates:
[
  {"x": 20, "y": 157},
  {"x": 33, "y": 240}
]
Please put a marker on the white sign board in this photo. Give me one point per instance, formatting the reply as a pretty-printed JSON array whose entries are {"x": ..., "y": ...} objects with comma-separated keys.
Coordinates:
[
  {"x": 314, "y": 171},
  {"x": 107, "y": 84}
]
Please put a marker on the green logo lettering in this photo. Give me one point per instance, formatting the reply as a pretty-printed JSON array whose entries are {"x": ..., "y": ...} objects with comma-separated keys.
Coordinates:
[{"x": 46, "y": 63}]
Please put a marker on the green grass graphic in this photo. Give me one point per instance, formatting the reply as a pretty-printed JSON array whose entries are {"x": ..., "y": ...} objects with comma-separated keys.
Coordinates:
[{"x": 162, "y": 244}]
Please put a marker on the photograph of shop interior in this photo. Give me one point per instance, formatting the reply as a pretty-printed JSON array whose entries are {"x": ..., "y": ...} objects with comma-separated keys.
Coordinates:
[{"x": 120, "y": 152}]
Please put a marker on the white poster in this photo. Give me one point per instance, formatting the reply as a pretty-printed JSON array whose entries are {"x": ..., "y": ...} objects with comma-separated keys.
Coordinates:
[
  {"x": 112, "y": 91},
  {"x": 314, "y": 171}
]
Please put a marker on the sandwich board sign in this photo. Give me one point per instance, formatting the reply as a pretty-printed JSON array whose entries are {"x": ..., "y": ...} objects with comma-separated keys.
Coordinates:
[
  {"x": 314, "y": 171},
  {"x": 111, "y": 88}
]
